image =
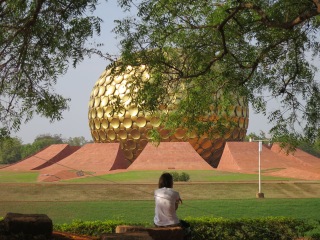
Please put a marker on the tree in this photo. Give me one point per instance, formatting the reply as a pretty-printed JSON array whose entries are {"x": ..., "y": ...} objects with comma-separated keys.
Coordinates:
[
  {"x": 38, "y": 39},
  {"x": 254, "y": 136},
  {"x": 259, "y": 49},
  {"x": 76, "y": 141},
  {"x": 10, "y": 150},
  {"x": 310, "y": 148}
]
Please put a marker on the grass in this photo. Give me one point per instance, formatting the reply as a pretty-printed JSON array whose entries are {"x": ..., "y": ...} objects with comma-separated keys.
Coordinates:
[
  {"x": 128, "y": 196},
  {"x": 143, "y": 211},
  {"x": 141, "y": 177},
  {"x": 188, "y": 191},
  {"x": 18, "y": 177},
  {"x": 153, "y": 176}
]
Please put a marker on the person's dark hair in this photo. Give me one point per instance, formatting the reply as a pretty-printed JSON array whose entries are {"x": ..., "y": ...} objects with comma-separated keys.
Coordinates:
[{"x": 166, "y": 180}]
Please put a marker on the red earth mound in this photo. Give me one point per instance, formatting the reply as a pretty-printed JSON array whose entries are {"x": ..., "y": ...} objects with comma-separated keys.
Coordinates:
[
  {"x": 91, "y": 159},
  {"x": 244, "y": 156},
  {"x": 44, "y": 158},
  {"x": 169, "y": 155}
]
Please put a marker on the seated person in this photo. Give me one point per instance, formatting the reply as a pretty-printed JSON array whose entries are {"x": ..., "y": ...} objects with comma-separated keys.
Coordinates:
[{"x": 167, "y": 201}]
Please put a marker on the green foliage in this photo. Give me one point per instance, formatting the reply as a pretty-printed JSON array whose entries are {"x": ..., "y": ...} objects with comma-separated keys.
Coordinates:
[
  {"x": 4, "y": 133},
  {"x": 76, "y": 141},
  {"x": 314, "y": 234},
  {"x": 91, "y": 228},
  {"x": 253, "y": 229},
  {"x": 280, "y": 228},
  {"x": 184, "y": 177},
  {"x": 210, "y": 52},
  {"x": 38, "y": 39},
  {"x": 311, "y": 148},
  {"x": 254, "y": 136},
  {"x": 10, "y": 150},
  {"x": 180, "y": 177}
]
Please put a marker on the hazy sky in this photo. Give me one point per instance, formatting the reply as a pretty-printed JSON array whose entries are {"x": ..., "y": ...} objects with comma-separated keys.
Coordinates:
[{"x": 78, "y": 83}]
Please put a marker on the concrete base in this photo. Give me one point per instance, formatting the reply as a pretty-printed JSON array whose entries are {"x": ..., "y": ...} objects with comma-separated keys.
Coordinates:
[{"x": 260, "y": 195}]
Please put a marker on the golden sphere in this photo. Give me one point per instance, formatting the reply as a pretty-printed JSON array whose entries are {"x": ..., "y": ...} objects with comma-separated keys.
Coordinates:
[{"x": 131, "y": 126}]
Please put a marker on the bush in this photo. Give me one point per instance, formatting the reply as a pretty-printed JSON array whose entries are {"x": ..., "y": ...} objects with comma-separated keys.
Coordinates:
[
  {"x": 175, "y": 176},
  {"x": 314, "y": 234},
  {"x": 90, "y": 228},
  {"x": 184, "y": 177},
  {"x": 280, "y": 228},
  {"x": 180, "y": 177}
]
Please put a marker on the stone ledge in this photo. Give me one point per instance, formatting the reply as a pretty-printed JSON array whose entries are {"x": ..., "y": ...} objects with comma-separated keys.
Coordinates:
[
  {"x": 127, "y": 236},
  {"x": 156, "y": 233},
  {"x": 28, "y": 224}
]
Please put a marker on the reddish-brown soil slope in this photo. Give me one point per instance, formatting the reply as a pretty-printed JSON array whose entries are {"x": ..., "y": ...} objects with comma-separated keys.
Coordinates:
[
  {"x": 44, "y": 158},
  {"x": 90, "y": 160},
  {"x": 169, "y": 155},
  {"x": 244, "y": 157}
]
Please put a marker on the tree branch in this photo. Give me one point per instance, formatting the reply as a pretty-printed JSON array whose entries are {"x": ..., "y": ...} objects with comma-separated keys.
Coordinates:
[{"x": 285, "y": 25}]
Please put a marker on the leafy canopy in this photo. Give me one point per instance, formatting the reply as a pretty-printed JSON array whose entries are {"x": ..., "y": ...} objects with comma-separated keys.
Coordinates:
[
  {"x": 38, "y": 39},
  {"x": 260, "y": 49}
]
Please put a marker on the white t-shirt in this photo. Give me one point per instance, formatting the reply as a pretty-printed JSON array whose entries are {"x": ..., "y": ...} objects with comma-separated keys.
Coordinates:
[{"x": 165, "y": 209}]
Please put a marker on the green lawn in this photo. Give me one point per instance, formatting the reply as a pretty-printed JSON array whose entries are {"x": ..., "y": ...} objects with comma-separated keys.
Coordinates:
[
  {"x": 153, "y": 176},
  {"x": 128, "y": 196},
  {"x": 141, "y": 177},
  {"x": 18, "y": 177},
  {"x": 142, "y": 211}
]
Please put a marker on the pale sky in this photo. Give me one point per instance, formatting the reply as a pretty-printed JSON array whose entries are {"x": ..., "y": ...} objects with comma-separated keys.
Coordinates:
[{"x": 78, "y": 83}]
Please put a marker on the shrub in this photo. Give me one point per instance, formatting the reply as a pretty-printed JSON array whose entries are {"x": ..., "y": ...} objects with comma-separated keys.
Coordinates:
[
  {"x": 180, "y": 177},
  {"x": 280, "y": 228},
  {"x": 91, "y": 228},
  {"x": 175, "y": 176},
  {"x": 184, "y": 177},
  {"x": 314, "y": 234}
]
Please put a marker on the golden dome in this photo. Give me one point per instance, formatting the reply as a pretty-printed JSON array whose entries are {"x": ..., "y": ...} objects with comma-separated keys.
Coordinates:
[{"x": 131, "y": 126}]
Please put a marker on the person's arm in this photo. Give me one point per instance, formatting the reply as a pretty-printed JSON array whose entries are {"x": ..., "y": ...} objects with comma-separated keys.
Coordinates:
[{"x": 177, "y": 203}]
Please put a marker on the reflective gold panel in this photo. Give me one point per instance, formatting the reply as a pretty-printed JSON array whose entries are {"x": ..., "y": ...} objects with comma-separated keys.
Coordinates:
[
  {"x": 105, "y": 123},
  {"x": 115, "y": 123},
  {"x": 99, "y": 112},
  {"x": 141, "y": 122},
  {"x": 127, "y": 122},
  {"x": 135, "y": 133},
  {"x": 111, "y": 134}
]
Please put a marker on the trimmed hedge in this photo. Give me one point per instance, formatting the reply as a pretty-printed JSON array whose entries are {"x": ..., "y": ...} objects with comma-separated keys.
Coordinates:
[
  {"x": 90, "y": 228},
  {"x": 280, "y": 228}
]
